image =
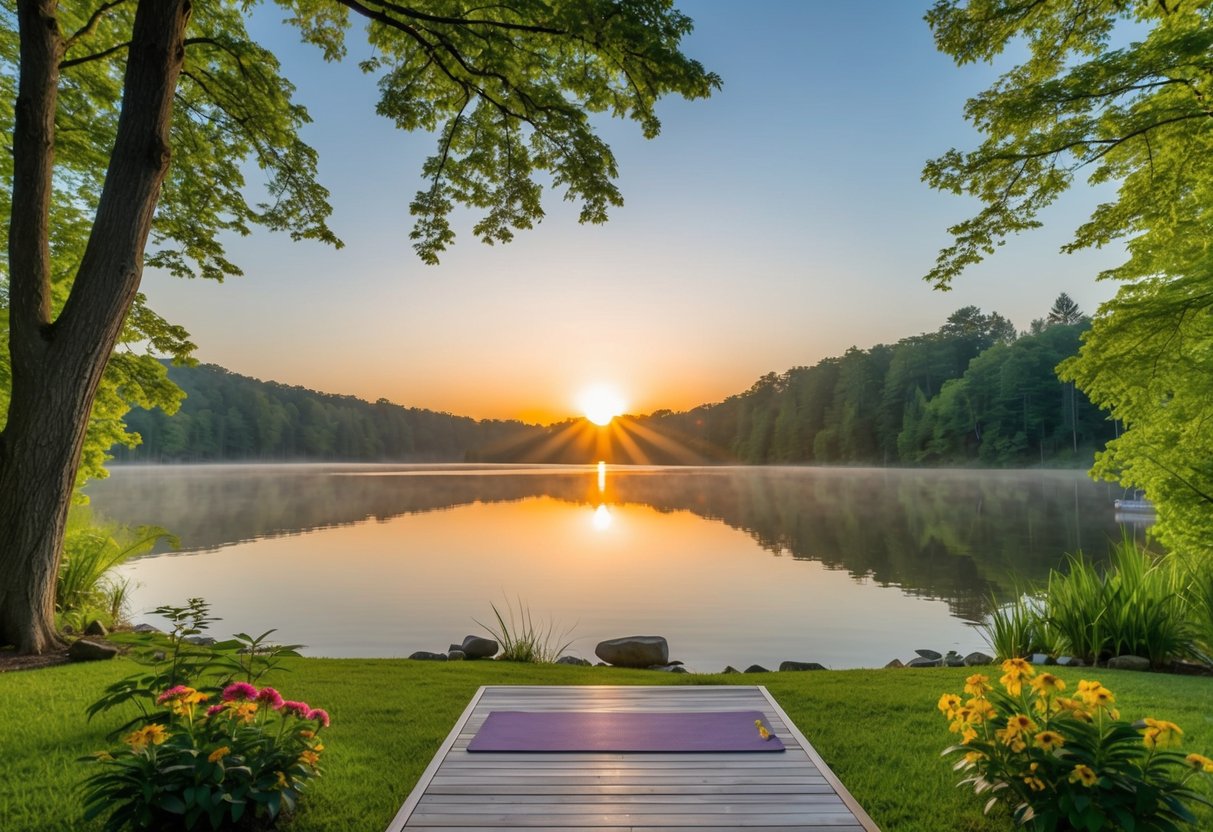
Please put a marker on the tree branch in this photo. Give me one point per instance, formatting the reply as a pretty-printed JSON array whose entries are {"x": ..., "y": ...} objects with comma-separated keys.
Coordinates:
[
  {"x": 96, "y": 56},
  {"x": 91, "y": 26}
]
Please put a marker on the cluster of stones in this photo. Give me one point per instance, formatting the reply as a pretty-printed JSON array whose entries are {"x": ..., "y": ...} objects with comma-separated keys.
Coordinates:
[
  {"x": 933, "y": 658},
  {"x": 472, "y": 647}
]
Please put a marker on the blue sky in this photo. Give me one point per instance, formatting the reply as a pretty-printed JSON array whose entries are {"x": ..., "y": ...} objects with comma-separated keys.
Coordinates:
[{"x": 779, "y": 222}]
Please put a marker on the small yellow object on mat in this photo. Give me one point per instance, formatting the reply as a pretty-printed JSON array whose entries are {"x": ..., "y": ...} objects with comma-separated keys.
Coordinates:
[{"x": 762, "y": 731}]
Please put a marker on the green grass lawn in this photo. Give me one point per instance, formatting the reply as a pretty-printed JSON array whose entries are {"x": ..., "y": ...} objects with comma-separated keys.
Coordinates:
[{"x": 878, "y": 729}]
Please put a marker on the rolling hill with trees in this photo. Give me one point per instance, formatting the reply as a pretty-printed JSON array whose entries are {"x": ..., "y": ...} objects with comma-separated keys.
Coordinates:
[{"x": 974, "y": 392}]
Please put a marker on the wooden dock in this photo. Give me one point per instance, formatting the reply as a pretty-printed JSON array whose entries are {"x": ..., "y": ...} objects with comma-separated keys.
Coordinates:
[{"x": 495, "y": 792}]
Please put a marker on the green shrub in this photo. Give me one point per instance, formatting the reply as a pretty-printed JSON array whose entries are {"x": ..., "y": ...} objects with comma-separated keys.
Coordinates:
[
  {"x": 84, "y": 587},
  {"x": 240, "y": 763}
]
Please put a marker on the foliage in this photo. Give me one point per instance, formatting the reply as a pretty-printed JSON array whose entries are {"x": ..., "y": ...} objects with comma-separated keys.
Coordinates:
[
  {"x": 85, "y": 587},
  {"x": 240, "y": 762},
  {"x": 1134, "y": 606},
  {"x": 969, "y": 393},
  {"x": 182, "y": 657},
  {"x": 522, "y": 640},
  {"x": 1019, "y": 628},
  {"x": 247, "y": 757},
  {"x": 229, "y": 416},
  {"x": 1118, "y": 91},
  {"x": 1064, "y": 763}
]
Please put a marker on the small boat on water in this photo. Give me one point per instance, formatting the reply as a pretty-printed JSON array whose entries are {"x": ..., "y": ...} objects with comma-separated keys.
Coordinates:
[{"x": 1136, "y": 506}]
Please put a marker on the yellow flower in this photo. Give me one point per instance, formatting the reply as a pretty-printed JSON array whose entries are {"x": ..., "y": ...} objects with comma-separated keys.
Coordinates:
[
  {"x": 1200, "y": 763},
  {"x": 972, "y": 757},
  {"x": 281, "y": 779},
  {"x": 218, "y": 754},
  {"x": 1048, "y": 740},
  {"x": 1047, "y": 683},
  {"x": 1035, "y": 784},
  {"x": 1161, "y": 734},
  {"x": 968, "y": 735},
  {"x": 1085, "y": 775},
  {"x": 1014, "y": 672},
  {"x": 309, "y": 758},
  {"x": 978, "y": 685},
  {"x": 1074, "y": 707},
  {"x": 948, "y": 705},
  {"x": 244, "y": 711},
  {"x": 148, "y": 735},
  {"x": 306, "y": 734},
  {"x": 980, "y": 709}
]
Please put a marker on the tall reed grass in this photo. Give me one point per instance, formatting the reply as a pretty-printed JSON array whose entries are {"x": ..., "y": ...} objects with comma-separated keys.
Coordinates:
[
  {"x": 1139, "y": 604},
  {"x": 524, "y": 640},
  {"x": 1134, "y": 606}
]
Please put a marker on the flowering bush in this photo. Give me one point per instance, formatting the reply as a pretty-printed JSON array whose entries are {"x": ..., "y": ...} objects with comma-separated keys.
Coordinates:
[
  {"x": 205, "y": 750},
  {"x": 242, "y": 760},
  {"x": 1064, "y": 763}
]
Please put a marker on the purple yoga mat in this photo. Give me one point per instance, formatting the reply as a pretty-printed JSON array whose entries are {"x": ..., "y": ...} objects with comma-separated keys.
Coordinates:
[{"x": 622, "y": 731}]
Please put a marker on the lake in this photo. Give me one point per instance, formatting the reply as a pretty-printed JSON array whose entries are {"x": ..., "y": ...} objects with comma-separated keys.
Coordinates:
[{"x": 847, "y": 567}]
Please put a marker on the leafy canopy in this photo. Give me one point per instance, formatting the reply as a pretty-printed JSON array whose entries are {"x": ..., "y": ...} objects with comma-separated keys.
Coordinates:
[
  {"x": 1121, "y": 93},
  {"x": 508, "y": 91}
]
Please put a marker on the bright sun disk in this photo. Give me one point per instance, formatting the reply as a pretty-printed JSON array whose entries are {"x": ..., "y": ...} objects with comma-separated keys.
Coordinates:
[{"x": 601, "y": 404}]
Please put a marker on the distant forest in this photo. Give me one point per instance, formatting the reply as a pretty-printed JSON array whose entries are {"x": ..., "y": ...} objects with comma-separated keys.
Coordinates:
[{"x": 973, "y": 393}]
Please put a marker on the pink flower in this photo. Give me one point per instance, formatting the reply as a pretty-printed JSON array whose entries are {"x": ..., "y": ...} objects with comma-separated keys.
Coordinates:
[
  {"x": 214, "y": 709},
  {"x": 320, "y": 715},
  {"x": 270, "y": 697},
  {"x": 173, "y": 693},
  {"x": 299, "y": 709},
  {"x": 239, "y": 691}
]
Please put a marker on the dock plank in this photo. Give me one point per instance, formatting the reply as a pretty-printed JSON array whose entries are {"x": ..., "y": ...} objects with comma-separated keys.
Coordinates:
[{"x": 618, "y": 792}]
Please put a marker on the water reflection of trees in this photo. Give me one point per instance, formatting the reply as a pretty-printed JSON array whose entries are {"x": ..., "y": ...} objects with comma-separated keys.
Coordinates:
[{"x": 952, "y": 535}]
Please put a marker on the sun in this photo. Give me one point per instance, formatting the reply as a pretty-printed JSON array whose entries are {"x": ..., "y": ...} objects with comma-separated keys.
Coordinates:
[{"x": 600, "y": 403}]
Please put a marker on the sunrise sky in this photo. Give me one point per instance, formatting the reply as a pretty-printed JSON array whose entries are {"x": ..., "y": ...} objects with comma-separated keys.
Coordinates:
[{"x": 779, "y": 222}]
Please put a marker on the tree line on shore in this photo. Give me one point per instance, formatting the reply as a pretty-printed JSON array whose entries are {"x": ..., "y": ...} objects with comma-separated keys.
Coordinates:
[{"x": 973, "y": 392}]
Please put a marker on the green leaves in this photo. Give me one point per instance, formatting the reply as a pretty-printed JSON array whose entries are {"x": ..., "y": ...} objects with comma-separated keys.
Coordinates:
[
  {"x": 1136, "y": 113},
  {"x": 508, "y": 90}
]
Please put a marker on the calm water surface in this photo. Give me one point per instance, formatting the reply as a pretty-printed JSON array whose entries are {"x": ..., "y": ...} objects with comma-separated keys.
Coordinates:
[{"x": 847, "y": 567}]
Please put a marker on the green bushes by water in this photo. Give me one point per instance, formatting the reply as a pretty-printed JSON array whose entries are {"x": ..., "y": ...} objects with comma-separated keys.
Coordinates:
[
  {"x": 86, "y": 589},
  {"x": 1140, "y": 604}
]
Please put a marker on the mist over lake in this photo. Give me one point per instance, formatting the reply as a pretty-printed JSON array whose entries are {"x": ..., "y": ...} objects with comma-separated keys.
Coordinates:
[{"x": 848, "y": 567}]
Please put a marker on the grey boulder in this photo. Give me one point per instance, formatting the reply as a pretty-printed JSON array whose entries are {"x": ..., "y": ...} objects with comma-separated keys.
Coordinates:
[
  {"x": 479, "y": 647},
  {"x": 978, "y": 658},
  {"x": 634, "y": 651},
  {"x": 91, "y": 651},
  {"x": 756, "y": 668},
  {"x": 801, "y": 666},
  {"x": 929, "y": 654},
  {"x": 1129, "y": 663},
  {"x": 574, "y": 661},
  {"x": 426, "y": 656}
]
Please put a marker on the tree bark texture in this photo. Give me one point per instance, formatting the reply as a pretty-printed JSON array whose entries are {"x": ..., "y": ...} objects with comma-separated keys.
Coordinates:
[{"x": 57, "y": 365}]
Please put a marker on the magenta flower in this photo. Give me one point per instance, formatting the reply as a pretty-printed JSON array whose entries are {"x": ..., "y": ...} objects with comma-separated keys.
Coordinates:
[
  {"x": 270, "y": 697},
  {"x": 173, "y": 693},
  {"x": 320, "y": 715},
  {"x": 214, "y": 709},
  {"x": 299, "y": 709},
  {"x": 239, "y": 691}
]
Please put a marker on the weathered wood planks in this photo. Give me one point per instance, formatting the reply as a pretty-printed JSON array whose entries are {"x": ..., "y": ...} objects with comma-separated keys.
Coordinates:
[{"x": 495, "y": 792}]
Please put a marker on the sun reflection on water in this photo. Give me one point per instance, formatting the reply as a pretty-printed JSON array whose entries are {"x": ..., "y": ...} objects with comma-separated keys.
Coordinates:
[{"x": 602, "y": 518}]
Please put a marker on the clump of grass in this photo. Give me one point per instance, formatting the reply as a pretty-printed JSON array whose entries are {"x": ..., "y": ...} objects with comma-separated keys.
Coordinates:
[
  {"x": 1019, "y": 628},
  {"x": 522, "y": 639}
]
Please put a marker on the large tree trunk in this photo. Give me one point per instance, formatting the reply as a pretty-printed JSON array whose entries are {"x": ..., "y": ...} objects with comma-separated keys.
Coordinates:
[{"x": 57, "y": 365}]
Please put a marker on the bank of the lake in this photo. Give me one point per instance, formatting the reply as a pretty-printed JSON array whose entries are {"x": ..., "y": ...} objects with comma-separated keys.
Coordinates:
[{"x": 878, "y": 730}]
